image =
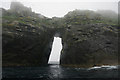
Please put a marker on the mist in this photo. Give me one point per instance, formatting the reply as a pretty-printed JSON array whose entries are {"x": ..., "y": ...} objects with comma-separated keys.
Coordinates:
[{"x": 59, "y": 9}]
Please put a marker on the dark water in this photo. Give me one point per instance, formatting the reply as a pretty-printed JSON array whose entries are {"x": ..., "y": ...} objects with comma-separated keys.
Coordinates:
[{"x": 58, "y": 72}]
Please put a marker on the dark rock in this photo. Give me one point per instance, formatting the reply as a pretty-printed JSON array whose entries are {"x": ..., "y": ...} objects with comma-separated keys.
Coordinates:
[{"x": 88, "y": 39}]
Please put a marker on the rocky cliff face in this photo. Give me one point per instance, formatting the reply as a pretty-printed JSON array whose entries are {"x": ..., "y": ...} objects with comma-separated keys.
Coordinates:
[
  {"x": 92, "y": 44},
  {"x": 88, "y": 37},
  {"x": 27, "y": 39}
]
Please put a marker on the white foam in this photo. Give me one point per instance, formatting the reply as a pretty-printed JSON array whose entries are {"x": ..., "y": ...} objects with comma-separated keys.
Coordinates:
[
  {"x": 96, "y": 67},
  {"x": 103, "y": 66}
]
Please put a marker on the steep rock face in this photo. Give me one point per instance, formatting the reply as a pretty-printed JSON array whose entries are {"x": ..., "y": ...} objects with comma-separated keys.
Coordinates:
[
  {"x": 27, "y": 39},
  {"x": 26, "y": 47},
  {"x": 90, "y": 45},
  {"x": 88, "y": 38},
  {"x": 24, "y": 44}
]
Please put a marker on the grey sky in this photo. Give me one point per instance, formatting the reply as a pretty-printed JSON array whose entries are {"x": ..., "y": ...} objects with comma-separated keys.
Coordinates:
[{"x": 59, "y": 8}]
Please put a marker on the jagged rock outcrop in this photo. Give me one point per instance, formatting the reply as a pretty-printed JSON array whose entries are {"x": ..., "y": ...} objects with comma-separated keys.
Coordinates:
[
  {"x": 16, "y": 8},
  {"x": 25, "y": 45},
  {"x": 88, "y": 37},
  {"x": 19, "y": 8},
  {"x": 92, "y": 44},
  {"x": 89, "y": 40},
  {"x": 27, "y": 39}
]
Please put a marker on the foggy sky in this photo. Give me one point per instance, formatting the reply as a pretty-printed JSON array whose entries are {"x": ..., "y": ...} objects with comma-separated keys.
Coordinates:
[{"x": 59, "y": 8}]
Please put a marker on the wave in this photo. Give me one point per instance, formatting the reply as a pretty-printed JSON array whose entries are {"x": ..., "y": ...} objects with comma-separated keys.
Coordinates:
[{"x": 103, "y": 67}]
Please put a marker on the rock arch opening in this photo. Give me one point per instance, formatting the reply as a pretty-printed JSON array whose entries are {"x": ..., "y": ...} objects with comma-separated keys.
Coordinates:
[{"x": 54, "y": 57}]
